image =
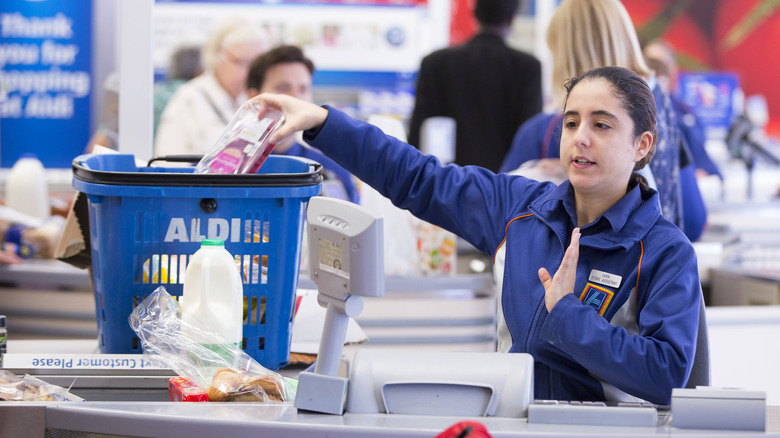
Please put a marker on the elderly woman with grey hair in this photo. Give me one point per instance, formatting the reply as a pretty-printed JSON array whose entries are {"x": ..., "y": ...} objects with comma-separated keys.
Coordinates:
[{"x": 200, "y": 109}]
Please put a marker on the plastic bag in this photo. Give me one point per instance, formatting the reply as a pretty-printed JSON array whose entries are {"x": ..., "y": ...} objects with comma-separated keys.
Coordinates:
[
  {"x": 225, "y": 370},
  {"x": 28, "y": 388},
  {"x": 243, "y": 145}
]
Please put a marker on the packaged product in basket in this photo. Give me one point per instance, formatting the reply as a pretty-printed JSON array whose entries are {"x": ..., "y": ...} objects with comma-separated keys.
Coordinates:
[
  {"x": 243, "y": 145},
  {"x": 213, "y": 294}
]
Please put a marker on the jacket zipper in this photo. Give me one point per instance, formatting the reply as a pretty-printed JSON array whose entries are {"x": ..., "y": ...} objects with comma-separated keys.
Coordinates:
[{"x": 535, "y": 329}]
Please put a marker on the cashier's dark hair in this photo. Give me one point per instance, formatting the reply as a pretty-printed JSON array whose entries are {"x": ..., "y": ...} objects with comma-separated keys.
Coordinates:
[
  {"x": 636, "y": 98},
  {"x": 278, "y": 55}
]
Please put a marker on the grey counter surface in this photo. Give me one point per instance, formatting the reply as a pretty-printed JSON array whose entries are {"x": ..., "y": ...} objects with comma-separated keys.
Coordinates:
[{"x": 194, "y": 420}]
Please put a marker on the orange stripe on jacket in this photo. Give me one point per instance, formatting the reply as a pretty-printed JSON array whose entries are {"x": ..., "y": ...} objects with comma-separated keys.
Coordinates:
[
  {"x": 639, "y": 271},
  {"x": 505, "y": 231}
]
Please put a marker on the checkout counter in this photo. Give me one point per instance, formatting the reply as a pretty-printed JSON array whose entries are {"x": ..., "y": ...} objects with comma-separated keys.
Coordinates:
[
  {"x": 419, "y": 313},
  {"x": 197, "y": 420},
  {"x": 134, "y": 404},
  {"x": 426, "y": 313},
  {"x": 147, "y": 418}
]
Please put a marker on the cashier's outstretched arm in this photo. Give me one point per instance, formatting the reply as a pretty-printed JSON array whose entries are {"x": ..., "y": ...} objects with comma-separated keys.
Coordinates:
[{"x": 299, "y": 115}]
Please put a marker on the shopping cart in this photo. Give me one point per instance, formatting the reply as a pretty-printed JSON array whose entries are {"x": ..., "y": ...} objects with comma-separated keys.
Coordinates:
[{"x": 146, "y": 221}]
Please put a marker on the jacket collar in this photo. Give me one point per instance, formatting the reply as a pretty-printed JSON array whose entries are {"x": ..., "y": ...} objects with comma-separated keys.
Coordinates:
[{"x": 625, "y": 223}]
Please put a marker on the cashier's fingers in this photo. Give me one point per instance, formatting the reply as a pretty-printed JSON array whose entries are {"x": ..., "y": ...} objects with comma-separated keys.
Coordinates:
[
  {"x": 546, "y": 279},
  {"x": 299, "y": 115},
  {"x": 556, "y": 287}
]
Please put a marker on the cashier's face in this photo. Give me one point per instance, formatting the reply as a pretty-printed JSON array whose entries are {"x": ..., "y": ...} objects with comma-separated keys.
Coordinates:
[{"x": 598, "y": 144}]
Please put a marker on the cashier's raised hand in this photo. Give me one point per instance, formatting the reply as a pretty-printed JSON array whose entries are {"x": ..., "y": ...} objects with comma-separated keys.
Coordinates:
[
  {"x": 562, "y": 283},
  {"x": 299, "y": 115}
]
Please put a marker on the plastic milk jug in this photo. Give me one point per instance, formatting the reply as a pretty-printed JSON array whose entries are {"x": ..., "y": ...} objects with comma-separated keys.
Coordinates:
[
  {"x": 26, "y": 190},
  {"x": 213, "y": 293}
]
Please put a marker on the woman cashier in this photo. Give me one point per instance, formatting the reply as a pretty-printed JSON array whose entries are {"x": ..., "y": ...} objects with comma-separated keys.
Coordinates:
[{"x": 619, "y": 317}]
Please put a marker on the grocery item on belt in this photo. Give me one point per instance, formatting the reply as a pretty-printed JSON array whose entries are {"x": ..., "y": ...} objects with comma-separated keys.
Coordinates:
[
  {"x": 29, "y": 388},
  {"x": 223, "y": 369},
  {"x": 182, "y": 389},
  {"x": 231, "y": 385}
]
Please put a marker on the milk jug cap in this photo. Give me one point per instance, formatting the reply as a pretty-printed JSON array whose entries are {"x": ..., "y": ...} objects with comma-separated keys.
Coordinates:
[{"x": 212, "y": 242}]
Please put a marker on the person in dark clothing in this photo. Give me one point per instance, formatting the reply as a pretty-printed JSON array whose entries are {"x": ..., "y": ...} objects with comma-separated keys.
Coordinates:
[{"x": 488, "y": 88}]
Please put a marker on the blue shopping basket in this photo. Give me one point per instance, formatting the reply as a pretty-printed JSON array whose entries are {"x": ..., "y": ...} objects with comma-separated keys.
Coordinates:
[{"x": 145, "y": 223}]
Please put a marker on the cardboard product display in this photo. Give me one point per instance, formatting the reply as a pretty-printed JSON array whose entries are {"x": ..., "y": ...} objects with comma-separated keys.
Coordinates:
[{"x": 73, "y": 247}]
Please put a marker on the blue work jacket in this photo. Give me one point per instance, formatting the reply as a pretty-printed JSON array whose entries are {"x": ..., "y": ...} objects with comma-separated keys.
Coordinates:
[{"x": 631, "y": 321}]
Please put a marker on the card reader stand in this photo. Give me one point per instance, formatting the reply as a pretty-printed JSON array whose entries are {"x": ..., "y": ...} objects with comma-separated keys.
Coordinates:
[
  {"x": 441, "y": 383},
  {"x": 346, "y": 262}
]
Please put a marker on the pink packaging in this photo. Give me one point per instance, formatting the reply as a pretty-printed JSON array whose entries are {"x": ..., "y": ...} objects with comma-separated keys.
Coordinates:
[{"x": 243, "y": 145}]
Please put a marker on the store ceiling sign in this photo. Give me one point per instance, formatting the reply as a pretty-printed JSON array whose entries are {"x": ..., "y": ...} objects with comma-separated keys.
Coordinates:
[{"x": 45, "y": 79}]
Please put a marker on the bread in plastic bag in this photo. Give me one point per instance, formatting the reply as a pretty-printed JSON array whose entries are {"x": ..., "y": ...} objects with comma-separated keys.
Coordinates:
[
  {"x": 226, "y": 371},
  {"x": 29, "y": 388}
]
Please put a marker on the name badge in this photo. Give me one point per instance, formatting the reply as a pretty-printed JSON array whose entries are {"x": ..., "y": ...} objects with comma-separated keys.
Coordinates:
[{"x": 605, "y": 278}]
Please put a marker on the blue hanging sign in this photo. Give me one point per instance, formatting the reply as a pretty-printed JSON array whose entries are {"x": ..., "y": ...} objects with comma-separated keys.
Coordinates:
[{"x": 45, "y": 79}]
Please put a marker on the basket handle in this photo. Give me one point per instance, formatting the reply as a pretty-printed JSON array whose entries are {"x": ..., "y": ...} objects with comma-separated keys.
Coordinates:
[{"x": 175, "y": 159}]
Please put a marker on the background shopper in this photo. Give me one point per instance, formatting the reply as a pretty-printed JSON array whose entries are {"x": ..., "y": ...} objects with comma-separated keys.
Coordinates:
[
  {"x": 582, "y": 35},
  {"x": 199, "y": 110},
  {"x": 286, "y": 70},
  {"x": 489, "y": 88},
  {"x": 184, "y": 65}
]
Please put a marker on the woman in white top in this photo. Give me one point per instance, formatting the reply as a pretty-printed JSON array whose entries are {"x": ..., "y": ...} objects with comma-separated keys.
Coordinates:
[{"x": 200, "y": 109}]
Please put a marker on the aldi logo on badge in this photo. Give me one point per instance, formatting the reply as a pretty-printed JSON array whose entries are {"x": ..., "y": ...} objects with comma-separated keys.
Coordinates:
[{"x": 596, "y": 297}]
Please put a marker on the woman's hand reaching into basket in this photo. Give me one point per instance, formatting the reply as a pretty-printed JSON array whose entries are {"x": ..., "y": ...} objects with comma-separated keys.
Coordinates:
[{"x": 299, "y": 115}]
